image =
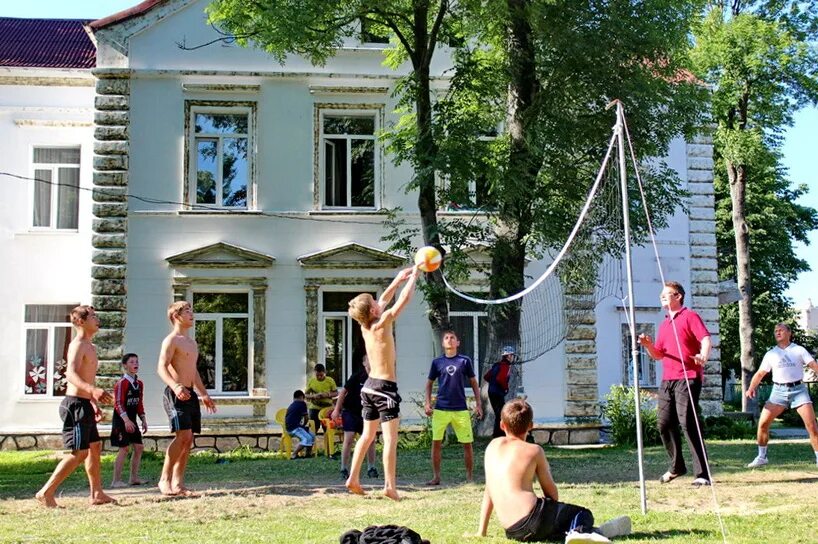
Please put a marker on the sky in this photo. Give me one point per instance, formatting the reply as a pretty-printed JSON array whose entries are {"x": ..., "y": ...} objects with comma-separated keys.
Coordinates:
[{"x": 800, "y": 149}]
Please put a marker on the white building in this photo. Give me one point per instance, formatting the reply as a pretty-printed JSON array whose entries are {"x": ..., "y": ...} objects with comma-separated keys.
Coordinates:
[
  {"x": 258, "y": 214},
  {"x": 808, "y": 316}
]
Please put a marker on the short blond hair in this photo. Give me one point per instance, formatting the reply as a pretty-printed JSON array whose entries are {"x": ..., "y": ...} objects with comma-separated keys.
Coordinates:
[
  {"x": 177, "y": 308},
  {"x": 360, "y": 309},
  {"x": 80, "y": 314}
]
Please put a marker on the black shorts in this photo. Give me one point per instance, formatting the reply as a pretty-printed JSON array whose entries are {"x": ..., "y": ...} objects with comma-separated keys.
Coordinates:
[
  {"x": 379, "y": 398},
  {"x": 120, "y": 437},
  {"x": 183, "y": 414},
  {"x": 79, "y": 428},
  {"x": 550, "y": 520},
  {"x": 353, "y": 423}
]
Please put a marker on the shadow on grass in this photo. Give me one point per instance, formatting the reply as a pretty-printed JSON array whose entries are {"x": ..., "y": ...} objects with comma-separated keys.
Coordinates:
[{"x": 670, "y": 533}]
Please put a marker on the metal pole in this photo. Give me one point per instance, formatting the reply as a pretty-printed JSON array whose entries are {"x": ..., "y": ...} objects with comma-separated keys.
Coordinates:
[{"x": 623, "y": 178}]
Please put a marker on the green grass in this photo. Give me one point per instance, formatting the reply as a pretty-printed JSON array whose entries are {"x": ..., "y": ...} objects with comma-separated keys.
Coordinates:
[{"x": 261, "y": 498}]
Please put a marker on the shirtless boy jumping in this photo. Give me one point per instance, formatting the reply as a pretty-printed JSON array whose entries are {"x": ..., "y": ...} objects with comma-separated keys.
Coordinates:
[
  {"x": 79, "y": 412},
  {"x": 511, "y": 464},
  {"x": 379, "y": 396},
  {"x": 177, "y": 368}
]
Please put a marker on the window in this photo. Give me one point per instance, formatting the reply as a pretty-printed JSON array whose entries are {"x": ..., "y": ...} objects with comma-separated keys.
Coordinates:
[
  {"x": 222, "y": 331},
  {"x": 473, "y": 193},
  {"x": 348, "y": 161},
  {"x": 470, "y": 322},
  {"x": 343, "y": 345},
  {"x": 220, "y": 176},
  {"x": 57, "y": 195},
  {"x": 647, "y": 366},
  {"x": 47, "y": 330}
]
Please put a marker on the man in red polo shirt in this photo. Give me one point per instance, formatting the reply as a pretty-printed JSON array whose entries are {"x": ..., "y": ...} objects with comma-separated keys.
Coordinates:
[{"x": 682, "y": 330}]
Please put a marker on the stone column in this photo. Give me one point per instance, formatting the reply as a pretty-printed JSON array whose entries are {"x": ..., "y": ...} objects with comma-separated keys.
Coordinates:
[
  {"x": 704, "y": 281},
  {"x": 312, "y": 325},
  {"x": 582, "y": 389},
  {"x": 259, "y": 341},
  {"x": 110, "y": 209}
]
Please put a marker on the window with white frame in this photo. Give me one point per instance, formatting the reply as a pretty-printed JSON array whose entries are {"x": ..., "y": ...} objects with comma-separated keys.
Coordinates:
[
  {"x": 56, "y": 191},
  {"x": 341, "y": 340},
  {"x": 470, "y": 322},
  {"x": 647, "y": 366},
  {"x": 220, "y": 156},
  {"x": 47, "y": 330},
  {"x": 223, "y": 333},
  {"x": 348, "y": 158}
]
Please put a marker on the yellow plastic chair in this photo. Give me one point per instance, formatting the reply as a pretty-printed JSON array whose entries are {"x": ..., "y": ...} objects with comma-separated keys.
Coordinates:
[
  {"x": 286, "y": 443},
  {"x": 330, "y": 431}
]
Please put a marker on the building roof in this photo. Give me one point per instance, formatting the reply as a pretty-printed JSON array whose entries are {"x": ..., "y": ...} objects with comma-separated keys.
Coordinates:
[
  {"x": 125, "y": 14},
  {"x": 46, "y": 43}
]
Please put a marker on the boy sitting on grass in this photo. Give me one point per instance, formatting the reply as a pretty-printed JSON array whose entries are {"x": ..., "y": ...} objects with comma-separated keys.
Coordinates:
[
  {"x": 295, "y": 423},
  {"x": 511, "y": 464}
]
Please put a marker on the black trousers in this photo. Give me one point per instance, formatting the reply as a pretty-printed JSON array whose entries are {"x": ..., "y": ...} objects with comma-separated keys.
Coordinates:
[
  {"x": 550, "y": 521},
  {"x": 676, "y": 414},
  {"x": 497, "y": 403}
]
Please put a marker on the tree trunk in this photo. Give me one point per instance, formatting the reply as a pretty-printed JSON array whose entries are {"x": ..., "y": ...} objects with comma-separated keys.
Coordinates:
[
  {"x": 737, "y": 175},
  {"x": 425, "y": 150}
]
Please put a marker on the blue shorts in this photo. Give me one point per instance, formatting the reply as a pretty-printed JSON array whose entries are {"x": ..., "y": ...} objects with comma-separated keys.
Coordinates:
[
  {"x": 305, "y": 437},
  {"x": 353, "y": 423},
  {"x": 790, "y": 396}
]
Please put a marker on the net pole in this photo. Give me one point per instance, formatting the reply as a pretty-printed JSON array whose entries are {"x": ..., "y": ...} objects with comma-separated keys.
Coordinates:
[{"x": 623, "y": 178}]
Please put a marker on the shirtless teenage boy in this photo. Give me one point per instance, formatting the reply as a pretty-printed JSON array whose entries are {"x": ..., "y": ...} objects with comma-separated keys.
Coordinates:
[
  {"x": 379, "y": 396},
  {"x": 177, "y": 368},
  {"x": 511, "y": 464},
  {"x": 79, "y": 411}
]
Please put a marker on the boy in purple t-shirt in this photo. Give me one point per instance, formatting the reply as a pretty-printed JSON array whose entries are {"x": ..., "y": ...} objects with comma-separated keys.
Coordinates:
[
  {"x": 451, "y": 372},
  {"x": 683, "y": 345}
]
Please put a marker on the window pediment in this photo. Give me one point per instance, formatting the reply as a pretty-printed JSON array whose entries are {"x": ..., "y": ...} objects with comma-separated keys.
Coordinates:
[
  {"x": 221, "y": 255},
  {"x": 351, "y": 255}
]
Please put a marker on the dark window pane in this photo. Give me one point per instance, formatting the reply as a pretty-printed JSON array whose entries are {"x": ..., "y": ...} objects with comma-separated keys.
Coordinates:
[
  {"x": 206, "y": 365},
  {"x": 234, "y": 354},
  {"x": 36, "y": 362},
  {"x": 458, "y": 304},
  {"x": 68, "y": 198},
  {"x": 234, "y": 172},
  {"x": 335, "y": 172},
  {"x": 348, "y": 124},
  {"x": 48, "y": 313},
  {"x": 338, "y": 301},
  {"x": 57, "y": 155},
  {"x": 206, "y": 171},
  {"x": 221, "y": 123},
  {"x": 220, "y": 303},
  {"x": 363, "y": 173},
  {"x": 42, "y": 198},
  {"x": 335, "y": 340}
]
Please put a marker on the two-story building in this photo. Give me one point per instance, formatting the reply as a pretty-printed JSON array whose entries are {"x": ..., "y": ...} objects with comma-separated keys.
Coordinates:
[{"x": 256, "y": 191}]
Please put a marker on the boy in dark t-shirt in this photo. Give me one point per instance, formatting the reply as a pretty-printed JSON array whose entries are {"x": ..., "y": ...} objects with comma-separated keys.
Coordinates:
[
  {"x": 128, "y": 395},
  {"x": 349, "y": 408},
  {"x": 295, "y": 423}
]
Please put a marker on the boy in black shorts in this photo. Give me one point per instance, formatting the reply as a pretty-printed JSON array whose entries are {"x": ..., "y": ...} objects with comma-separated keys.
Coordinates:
[
  {"x": 348, "y": 408},
  {"x": 128, "y": 396},
  {"x": 79, "y": 412}
]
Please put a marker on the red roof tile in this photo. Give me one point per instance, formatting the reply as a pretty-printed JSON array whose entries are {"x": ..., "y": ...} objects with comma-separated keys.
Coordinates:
[
  {"x": 45, "y": 43},
  {"x": 125, "y": 14}
]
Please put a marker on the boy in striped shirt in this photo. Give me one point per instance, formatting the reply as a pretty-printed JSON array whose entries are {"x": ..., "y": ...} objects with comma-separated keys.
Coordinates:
[{"x": 128, "y": 396}]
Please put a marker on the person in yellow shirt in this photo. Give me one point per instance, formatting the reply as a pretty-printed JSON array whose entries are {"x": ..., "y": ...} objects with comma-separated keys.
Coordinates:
[{"x": 320, "y": 391}]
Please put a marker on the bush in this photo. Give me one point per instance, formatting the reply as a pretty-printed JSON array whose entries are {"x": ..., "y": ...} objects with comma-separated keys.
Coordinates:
[
  {"x": 728, "y": 428},
  {"x": 620, "y": 410}
]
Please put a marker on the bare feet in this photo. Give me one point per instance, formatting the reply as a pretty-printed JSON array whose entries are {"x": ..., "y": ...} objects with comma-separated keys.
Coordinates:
[
  {"x": 185, "y": 492},
  {"x": 118, "y": 483},
  {"x": 138, "y": 481},
  {"x": 46, "y": 500},
  {"x": 433, "y": 481},
  {"x": 102, "y": 498},
  {"x": 166, "y": 489},
  {"x": 355, "y": 487},
  {"x": 391, "y": 493}
]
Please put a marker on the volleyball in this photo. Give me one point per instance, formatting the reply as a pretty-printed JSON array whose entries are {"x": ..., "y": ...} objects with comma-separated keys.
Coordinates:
[{"x": 428, "y": 259}]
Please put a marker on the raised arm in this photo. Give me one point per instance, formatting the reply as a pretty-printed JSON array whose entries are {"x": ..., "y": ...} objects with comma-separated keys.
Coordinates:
[
  {"x": 390, "y": 291},
  {"x": 547, "y": 484},
  {"x": 403, "y": 299},
  {"x": 485, "y": 513}
]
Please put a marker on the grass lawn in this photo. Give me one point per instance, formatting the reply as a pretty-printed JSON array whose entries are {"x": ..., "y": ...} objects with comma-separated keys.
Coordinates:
[{"x": 260, "y": 498}]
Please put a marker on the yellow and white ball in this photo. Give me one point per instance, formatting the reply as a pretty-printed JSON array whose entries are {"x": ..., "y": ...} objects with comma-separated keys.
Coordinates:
[{"x": 428, "y": 259}]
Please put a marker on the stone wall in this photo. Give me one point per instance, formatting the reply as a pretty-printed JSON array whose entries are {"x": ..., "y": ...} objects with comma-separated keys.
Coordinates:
[
  {"x": 110, "y": 223},
  {"x": 581, "y": 381},
  {"x": 704, "y": 285}
]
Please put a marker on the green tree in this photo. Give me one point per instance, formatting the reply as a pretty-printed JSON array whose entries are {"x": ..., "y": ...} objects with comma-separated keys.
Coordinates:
[
  {"x": 760, "y": 59},
  {"x": 317, "y": 28}
]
